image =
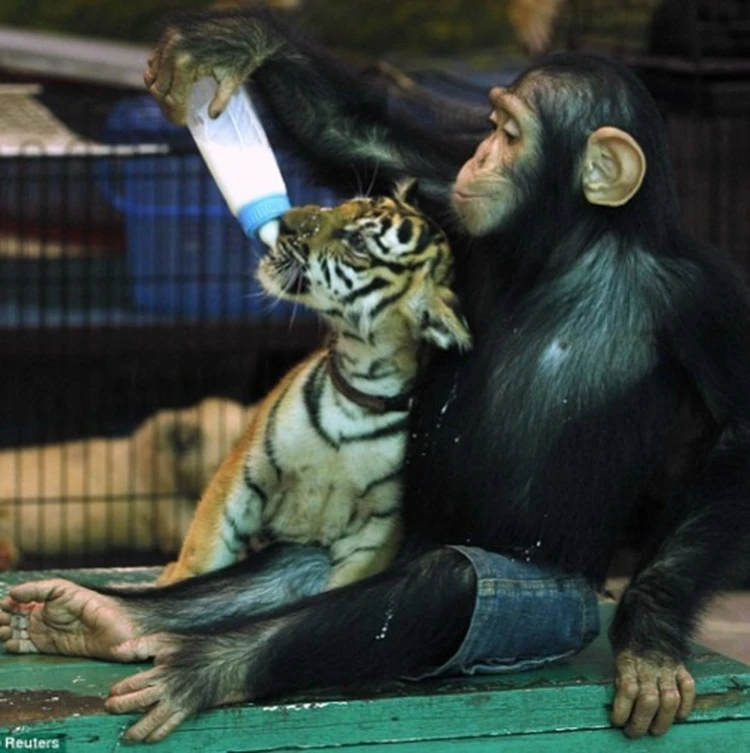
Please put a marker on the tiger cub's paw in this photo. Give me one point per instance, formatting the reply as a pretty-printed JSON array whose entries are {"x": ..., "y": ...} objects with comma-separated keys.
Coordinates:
[{"x": 171, "y": 574}]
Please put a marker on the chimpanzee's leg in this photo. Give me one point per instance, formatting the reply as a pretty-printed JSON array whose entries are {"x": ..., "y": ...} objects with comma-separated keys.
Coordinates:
[
  {"x": 278, "y": 575},
  {"x": 402, "y": 621},
  {"x": 56, "y": 616}
]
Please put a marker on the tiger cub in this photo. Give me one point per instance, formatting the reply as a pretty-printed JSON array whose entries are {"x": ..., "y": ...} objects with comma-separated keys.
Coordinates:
[{"x": 322, "y": 457}]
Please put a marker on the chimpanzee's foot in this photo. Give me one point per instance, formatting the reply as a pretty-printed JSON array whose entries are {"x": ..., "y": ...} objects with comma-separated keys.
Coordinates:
[
  {"x": 190, "y": 673},
  {"x": 153, "y": 692},
  {"x": 59, "y": 617}
]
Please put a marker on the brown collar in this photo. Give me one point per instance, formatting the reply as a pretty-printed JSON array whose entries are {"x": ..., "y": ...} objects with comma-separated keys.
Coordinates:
[{"x": 374, "y": 403}]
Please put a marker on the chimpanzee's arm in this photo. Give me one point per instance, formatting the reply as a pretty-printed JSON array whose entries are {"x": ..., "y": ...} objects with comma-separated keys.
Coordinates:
[
  {"x": 707, "y": 551},
  {"x": 337, "y": 114}
]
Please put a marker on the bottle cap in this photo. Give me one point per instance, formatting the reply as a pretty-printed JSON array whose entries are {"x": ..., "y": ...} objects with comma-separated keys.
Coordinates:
[{"x": 253, "y": 215}]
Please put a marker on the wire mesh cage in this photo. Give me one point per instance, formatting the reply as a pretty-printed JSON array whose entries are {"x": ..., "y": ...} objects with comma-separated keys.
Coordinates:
[
  {"x": 127, "y": 300},
  {"x": 693, "y": 29}
]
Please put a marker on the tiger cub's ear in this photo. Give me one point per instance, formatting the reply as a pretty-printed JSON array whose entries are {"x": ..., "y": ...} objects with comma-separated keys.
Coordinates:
[
  {"x": 437, "y": 317},
  {"x": 406, "y": 191}
]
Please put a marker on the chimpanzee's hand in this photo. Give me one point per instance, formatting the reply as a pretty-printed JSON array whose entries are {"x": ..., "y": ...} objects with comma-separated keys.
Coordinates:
[
  {"x": 651, "y": 692},
  {"x": 534, "y": 23},
  {"x": 228, "y": 47}
]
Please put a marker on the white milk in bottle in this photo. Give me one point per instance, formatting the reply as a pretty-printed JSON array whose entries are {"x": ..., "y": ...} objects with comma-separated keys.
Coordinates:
[{"x": 237, "y": 152}]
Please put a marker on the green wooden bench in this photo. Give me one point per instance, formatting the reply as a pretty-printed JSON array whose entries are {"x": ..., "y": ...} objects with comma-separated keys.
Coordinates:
[{"x": 55, "y": 703}]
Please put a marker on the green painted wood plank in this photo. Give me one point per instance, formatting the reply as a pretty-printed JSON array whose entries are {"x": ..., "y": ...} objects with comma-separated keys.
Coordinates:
[
  {"x": 93, "y": 575},
  {"x": 224, "y": 731},
  {"x": 438, "y": 711},
  {"x": 713, "y": 738}
]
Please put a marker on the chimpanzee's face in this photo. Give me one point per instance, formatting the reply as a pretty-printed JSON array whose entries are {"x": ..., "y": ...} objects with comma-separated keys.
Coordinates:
[{"x": 488, "y": 187}]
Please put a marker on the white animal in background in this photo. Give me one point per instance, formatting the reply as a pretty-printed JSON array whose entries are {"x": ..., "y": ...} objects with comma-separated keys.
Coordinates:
[{"x": 136, "y": 493}]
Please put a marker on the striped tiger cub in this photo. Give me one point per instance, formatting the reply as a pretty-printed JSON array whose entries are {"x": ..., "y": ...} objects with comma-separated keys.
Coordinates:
[{"x": 322, "y": 457}]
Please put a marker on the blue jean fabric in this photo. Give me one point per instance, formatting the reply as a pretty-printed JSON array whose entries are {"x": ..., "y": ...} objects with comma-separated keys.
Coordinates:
[{"x": 525, "y": 616}]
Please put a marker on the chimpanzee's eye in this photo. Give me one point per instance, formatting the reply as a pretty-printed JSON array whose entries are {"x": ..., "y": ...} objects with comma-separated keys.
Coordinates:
[{"x": 511, "y": 129}]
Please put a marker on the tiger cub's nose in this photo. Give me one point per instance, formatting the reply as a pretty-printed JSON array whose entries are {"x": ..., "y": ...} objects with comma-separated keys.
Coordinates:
[{"x": 305, "y": 221}]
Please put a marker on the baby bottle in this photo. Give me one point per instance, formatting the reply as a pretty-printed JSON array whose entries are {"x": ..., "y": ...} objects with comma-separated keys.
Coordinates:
[{"x": 237, "y": 152}]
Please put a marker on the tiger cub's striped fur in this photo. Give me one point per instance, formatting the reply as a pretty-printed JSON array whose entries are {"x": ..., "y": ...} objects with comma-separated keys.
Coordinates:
[{"x": 321, "y": 460}]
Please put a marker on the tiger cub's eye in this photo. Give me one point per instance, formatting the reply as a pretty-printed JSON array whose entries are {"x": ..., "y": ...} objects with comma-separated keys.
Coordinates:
[{"x": 357, "y": 245}]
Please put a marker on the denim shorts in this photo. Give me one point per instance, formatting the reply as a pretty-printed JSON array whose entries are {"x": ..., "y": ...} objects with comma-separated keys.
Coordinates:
[{"x": 525, "y": 616}]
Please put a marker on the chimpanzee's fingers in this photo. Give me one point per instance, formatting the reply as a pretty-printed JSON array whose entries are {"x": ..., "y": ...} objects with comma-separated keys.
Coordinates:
[
  {"x": 645, "y": 710},
  {"x": 159, "y": 71},
  {"x": 184, "y": 74},
  {"x": 135, "y": 701},
  {"x": 165, "y": 69},
  {"x": 135, "y": 682},
  {"x": 686, "y": 685},
  {"x": 226, "y": 88},
  {"x": 651, "y": 692},
  {"x": 38, "y": 590},
  {"x": 149, "y": 75},
  {"x": 170, "y": 723},
  {"x": 156, "y": 724},
  {"x": 626, "y": 690},
  {"x": 669, "y": 702}
]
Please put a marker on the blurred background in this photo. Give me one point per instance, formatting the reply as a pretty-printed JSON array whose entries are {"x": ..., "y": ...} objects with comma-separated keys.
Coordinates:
[{"x": 127, "y": 296}]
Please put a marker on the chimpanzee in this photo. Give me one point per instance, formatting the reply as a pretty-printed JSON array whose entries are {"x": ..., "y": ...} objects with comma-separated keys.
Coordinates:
[{"x": 610, "y": 367}]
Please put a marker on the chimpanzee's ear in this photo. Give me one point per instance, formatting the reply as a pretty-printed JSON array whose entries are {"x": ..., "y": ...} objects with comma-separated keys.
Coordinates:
[
  {"x": 614, "y": 167},
  {"x": 406, "y": 191}
]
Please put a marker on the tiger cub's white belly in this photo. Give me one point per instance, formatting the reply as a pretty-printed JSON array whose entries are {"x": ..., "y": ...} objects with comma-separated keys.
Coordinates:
[{"x": 324, "y": 493}]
